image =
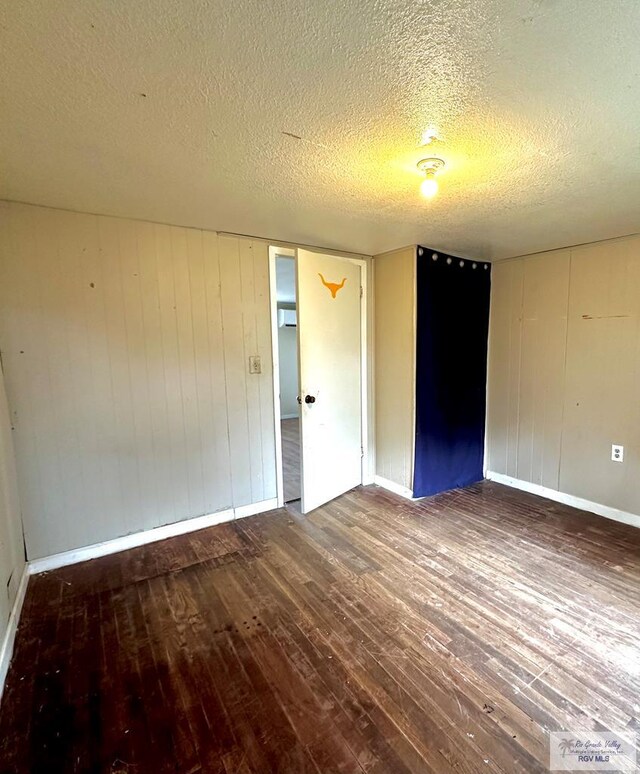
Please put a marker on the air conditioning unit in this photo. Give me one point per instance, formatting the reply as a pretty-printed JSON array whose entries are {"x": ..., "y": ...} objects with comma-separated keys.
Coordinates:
[{"x": 287, "y": 318}]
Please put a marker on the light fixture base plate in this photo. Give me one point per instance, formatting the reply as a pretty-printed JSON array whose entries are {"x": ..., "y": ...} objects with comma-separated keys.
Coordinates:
[{"x": 430, "y": 165}]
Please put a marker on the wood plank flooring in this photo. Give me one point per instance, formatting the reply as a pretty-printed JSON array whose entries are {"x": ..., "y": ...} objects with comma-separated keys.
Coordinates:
[
  {"x": 291, "y": 459},
  {"x": 375, "y": 635}
]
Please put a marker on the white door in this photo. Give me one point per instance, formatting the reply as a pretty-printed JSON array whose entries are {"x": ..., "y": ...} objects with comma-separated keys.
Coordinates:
[{"x": 329, "y": 341}]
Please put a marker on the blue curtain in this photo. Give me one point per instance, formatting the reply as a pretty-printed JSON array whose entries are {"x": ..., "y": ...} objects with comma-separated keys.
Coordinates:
[{"x": 451, "y": 371}]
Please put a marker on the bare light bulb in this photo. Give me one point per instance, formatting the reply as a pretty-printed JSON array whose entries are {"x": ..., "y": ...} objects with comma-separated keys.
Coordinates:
[{"x": 429, "y": 187}]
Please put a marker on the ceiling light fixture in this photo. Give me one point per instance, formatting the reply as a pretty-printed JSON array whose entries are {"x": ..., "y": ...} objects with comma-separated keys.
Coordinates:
[{"x": 430, "y": 167}]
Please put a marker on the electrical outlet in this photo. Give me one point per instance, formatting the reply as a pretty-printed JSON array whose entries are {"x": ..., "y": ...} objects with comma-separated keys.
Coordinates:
[
  {"x": 617, "y": 453},
  {"x": 255, "y": 366}
]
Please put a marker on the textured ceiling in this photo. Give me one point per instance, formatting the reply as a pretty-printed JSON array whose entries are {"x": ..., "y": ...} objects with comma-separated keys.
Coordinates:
[{"x": 300, "y": 120}]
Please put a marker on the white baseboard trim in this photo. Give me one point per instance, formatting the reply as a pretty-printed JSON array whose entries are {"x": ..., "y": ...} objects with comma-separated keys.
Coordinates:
[
  {"x": 254, "y": 508},
  {"x": 116, "y": 545},
  {"x": 566, "y": 499},
  {"x": 398, "y": 489},
  {"x": 6, "y": 647}
]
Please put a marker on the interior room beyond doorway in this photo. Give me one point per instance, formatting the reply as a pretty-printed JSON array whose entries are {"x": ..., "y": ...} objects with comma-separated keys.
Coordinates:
[{"x": 288, "y": 373}]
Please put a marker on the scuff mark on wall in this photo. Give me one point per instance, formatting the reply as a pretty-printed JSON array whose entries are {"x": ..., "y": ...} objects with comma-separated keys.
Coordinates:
[{"x": 604, "y": 316}]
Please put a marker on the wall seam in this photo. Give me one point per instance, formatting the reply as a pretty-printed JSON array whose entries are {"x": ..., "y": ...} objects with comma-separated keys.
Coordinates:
[
  {"x": 564, "y": 369},
  {"x": 518, "y": 399}
]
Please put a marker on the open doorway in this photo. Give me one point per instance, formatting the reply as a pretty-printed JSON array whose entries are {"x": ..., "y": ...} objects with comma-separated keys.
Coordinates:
[
  {"x": 288, "y": 376},
  {"x": 319, "y": 324}
]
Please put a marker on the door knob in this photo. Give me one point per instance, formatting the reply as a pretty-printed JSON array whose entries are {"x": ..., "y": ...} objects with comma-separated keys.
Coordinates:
[{"x": 309, "y": 399}]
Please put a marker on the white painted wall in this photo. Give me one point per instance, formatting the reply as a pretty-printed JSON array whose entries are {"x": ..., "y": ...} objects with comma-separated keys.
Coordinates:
[
  {"x": 11, "y": 545},
  {"x": 395, "y": 347},
  {"x": 126, "y": 347},
  {"x": 288, "y": 366}
]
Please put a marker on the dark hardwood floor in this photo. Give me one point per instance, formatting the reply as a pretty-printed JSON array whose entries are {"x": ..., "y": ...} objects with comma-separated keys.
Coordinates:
[
  {"x": 374, "y": 635},
  {"x": 291, "y": 458}
]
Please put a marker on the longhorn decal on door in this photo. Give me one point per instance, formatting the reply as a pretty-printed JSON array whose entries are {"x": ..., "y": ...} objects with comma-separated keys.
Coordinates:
[{"x": 332, "y": 287}]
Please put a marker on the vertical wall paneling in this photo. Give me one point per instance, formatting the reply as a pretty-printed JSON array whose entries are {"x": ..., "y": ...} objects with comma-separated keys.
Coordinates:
[
  {"x": 544, "y": 332},
  {"x": 261, "y": 316},
  {"x": 505, "y": 341},
  {"x": 20, "y": 328},
  {"x": 514, "y": 334},
  {"x": 602, "y": 399},
  {"x": 244, "y": 268},
  {"x": 238, "y": 418},
  {"x": 148, "y": 294},
  {"x": 126, "y": 349},
  {"x": 11, "y": 545},
  {"x": 186, "y": 365},
  {"x": 120, "y": 442},
  {"x": 250, "y": 347},
  {"x": 565, "y": 350},
  {"x": 138, "y": 375},
  {"x": 217, "y": 467},
  {"x": 171, "y": 395}
]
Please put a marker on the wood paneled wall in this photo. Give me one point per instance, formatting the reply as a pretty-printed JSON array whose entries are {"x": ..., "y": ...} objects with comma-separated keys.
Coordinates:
[
  {"x": 395, "y": 346},
  {"x": 126, "y": 348},
  {"x": 11, "y": 545},
  {"x": 564, "y": 371}
]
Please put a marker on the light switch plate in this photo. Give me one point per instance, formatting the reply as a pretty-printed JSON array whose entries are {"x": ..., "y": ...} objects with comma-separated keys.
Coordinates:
[
  {"x": 617, "y": 453},
  {"x": 255, "y": 366}
]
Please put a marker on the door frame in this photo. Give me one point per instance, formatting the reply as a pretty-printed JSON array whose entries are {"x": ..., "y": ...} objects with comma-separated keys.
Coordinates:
[{"x": 366, "y": 359}]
